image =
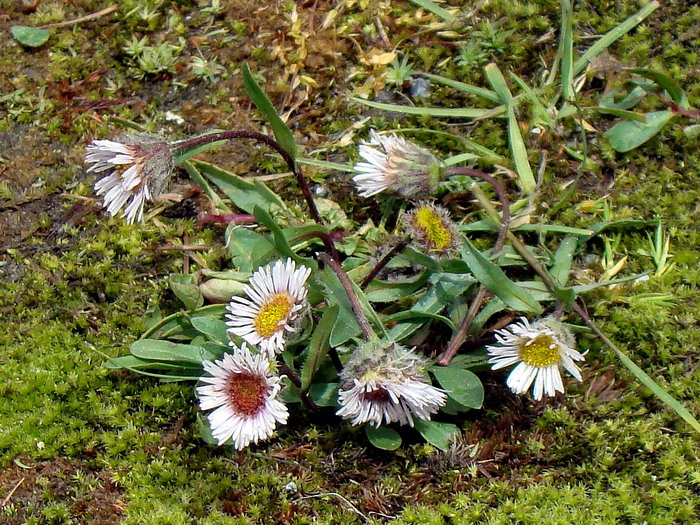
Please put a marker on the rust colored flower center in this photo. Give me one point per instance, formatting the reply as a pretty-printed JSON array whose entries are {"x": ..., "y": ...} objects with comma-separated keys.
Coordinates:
[
  {"x": 272, "y": 314},
  {"x": 542, "y": 351},
  {"x": 432, "y": 226},
  {"x": 377, "y": 396},
  {"x": 246, "y": 393}
]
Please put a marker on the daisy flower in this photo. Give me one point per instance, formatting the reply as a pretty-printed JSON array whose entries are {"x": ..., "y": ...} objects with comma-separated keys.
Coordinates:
[
  {"x": 139, "y": 167},
  {"x": 396, "y": 165},
  {"x": 242, "y": 390},
  {"x": 432, "y": 230},
  {"x": 539, "y": 350},
  {"x": 275, "y": 304},
  {"x": 385, "y": 384}
]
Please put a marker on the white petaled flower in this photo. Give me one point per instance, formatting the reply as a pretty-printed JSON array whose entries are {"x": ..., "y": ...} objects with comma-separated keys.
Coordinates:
[
  {"x": 398, "y": 166},
  {"x": 242, "y": 389},
  {"x": 539, "y": 349},
  {"x": 275, "y": 304},
  {"x": 384, "y": 384},
  {"x": 139, "y": 167}
]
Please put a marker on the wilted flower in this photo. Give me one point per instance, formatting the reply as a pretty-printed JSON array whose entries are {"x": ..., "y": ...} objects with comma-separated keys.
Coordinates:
[
  {"x": 276, "y": 302},
  {"x": 242, "y": 388},
  {"x": 384, "y": 383},
  {"x": 432, "y": 230},
  {"x": 139, "y": 165},
  {"x": 539, "y": 350},
  {"x": 398, "y": 166}
]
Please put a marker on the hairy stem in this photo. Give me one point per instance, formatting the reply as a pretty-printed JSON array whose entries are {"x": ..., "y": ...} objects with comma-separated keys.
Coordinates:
[
  {"x": 461, "y": 334},
  {"x": 272, "y": 143},
  {"x": 502, "y": 196},
  {"x": 381, "y": 264},
  {"x": 352, "y": 296},
  {"x": 310, "y": 404}
]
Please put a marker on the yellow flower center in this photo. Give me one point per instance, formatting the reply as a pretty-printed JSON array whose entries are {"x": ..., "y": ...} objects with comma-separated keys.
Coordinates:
[
  {"x": 246, "y": 393},
  {"x": 272, "y": 314},
  {"x": 542, "y": 351},
  {"x": 433, "y": 227}
]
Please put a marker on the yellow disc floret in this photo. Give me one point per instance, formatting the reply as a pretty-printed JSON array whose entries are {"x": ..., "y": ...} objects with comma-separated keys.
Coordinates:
[
  {"x": 433, "y": 227},
  {"x": 542, "y": 351},
  {"x": 273, "y": 314}
]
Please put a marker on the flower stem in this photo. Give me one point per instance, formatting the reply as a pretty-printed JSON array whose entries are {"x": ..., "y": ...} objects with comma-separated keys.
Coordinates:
[
  {"x": 381, "y": 264},
  {"x": 288, "y": 159},
  {"x": 502, "y": 196},
  {"x": 352, "y": 296},
  {"x": 310, "y": 404},
  {"x": 461, "y": 334}
]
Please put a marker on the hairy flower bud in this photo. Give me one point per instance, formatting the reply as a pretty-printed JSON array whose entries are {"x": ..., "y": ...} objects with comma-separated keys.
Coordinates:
[
  {"x": 397, "y": 166},
  {"x": 140, "y": 166}
]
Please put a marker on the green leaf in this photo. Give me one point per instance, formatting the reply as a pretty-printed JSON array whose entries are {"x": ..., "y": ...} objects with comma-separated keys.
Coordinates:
[
  {"x": 324, "y": 394},
  {"x": 432, "y": 112},
  {"x": 248, "y": 249},
  {"x": 445, "y": 288},
  {"x": 493, "y": 278},
  {"x": 627, "y": 135},
  {"x": 630, "y": 100},
  {"x": 462, "y": 157},
  {"x": 622, "y": 113},
  {"x": 461, "y": 86},
  {"x": 136, "y": 364},
  {"x": 428, "y": 5},
  {"x": 318, "y": 346},
  {"x": 204, "y": 429},
  {"x": 346, "y": 326},
  {"x": 213, "y": 328},
  {"x": 391, "y": 291},
  {"x": 539, "y": 109},
  {"x": 562, "y": 260},
  {"x": 692, "y": 132},
  {"x": 179, "y": 322},
  {"x": 244, "y": 194},
  {"x": 498, "y": 83},
  {"x": 415, "y": 257},
  {"x": 283, "y": 134},
  {"x": 281, "y": 244},
  {"x": 526, "y": 179},
  {"x": 667, "y": 83},
  {"x": 327, "y": 165},
  {"x": 384, "y": 438},
  {"x": 413, "y": 314},
  {"x": 156, "y": 349},
  {"x": 612, "y": 35},
  {"x": 30, "y": 36},
  {"x": 657, "y": 390},
  {"x": 462, "y": 385},
  {"x": 566, "y": 49},
  {"x": 186, "y": 290},
  {"x": 440, "y": 435},
  {"x": 200, "y": 181}
]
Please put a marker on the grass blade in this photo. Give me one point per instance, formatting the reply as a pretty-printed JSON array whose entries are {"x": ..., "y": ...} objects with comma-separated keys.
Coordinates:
[
  {"x": 432, "y": 112},
  {"x": 567, "y": 50},
  {"x": 327, "y": 165},
  {"x": 612, "y": 35},
  {"x": 526, "y": 179},
  {"x": 435, "y": 9},
  {"x": 283, "y": 134},
  {"x": 461, "y": 86}
]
